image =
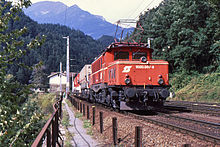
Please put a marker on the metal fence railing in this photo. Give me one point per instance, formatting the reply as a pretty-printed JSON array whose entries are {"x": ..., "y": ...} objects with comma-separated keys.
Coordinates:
[{"x": 50, "y": 134}]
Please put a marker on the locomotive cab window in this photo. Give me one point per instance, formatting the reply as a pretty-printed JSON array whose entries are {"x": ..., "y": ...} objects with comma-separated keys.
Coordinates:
[
  {"x": 138, "y": 55},
  {"x": 121, "y": 55}
]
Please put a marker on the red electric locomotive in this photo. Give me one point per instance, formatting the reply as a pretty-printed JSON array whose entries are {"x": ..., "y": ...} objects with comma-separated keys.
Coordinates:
[{"x": 126, "y": 77}]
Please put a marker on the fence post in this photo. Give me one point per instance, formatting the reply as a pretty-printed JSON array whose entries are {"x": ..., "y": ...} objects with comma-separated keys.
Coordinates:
[
  {"x": 138, "y": 136},
  {"x": 101, "y": 122},
  {"x": 71, "y": 100},
  {"x": 87, "y": 112},
  {"x": 48, "y": 137},
  {"x": 53, "y": 133},
  {"x": 75, "y": 103},
  {"x": 84, "y": 113},
  {"x": 114, "y": 127},
  {"x": 93, "y": 120},
  {"x": 80, "y": 107},
  {"x": 56, "y": 127}
]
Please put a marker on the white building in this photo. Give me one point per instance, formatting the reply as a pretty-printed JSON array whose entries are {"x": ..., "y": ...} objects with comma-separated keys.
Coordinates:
[{"x": 55, "y": 79}]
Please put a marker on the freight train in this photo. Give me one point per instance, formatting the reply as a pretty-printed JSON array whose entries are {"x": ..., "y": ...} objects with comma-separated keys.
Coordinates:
[{"x": 124, "y": 77}]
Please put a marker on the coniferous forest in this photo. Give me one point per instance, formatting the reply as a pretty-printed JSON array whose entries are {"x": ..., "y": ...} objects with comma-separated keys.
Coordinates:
[
  {"x": 53, "y": 50},
  {"x": 186, "y": 33}
]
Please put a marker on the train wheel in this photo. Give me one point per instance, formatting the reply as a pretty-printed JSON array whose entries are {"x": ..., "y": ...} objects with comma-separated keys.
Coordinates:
[
  {"x": 91, "y": 98},
  {"x": 108, "y": 100},
  {"x": 115, "y": 103},
  {"x": 103, "y": 96}
]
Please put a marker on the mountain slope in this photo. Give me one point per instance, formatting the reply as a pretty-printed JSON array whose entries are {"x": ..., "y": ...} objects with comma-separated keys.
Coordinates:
[
  {"x": 73, "y": 17},
  {"x": 83, "y": 48}
]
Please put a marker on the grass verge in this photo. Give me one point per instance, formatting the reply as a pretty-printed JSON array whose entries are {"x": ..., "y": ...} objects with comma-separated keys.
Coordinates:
[
  {"x": 197, "y": 87},
  {"x": 88, "y": 126},
  {"x": 45, "y": 103}
]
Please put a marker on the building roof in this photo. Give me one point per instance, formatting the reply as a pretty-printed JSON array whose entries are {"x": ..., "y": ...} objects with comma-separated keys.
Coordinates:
[{"x": 58, "y": 73}]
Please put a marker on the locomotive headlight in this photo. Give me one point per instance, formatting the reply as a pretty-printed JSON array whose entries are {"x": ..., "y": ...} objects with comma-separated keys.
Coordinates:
[
  {"x": 160, "y": 81},
  {"x": 127, "y": 81},
  {"x": 143, "y": 59}
]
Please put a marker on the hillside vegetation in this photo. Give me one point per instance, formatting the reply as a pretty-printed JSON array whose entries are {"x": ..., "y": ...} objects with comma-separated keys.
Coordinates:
[
  {"x": 197, "y": 87},
  {"x": 186, "y": 33},
  {"x": 53, "y": 49}
]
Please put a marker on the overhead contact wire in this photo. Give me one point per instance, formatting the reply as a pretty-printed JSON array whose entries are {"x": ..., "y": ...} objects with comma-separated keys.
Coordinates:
[{"x": 145, "y": 8}]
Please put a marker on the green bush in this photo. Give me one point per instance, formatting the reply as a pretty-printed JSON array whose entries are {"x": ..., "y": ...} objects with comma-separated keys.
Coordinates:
[
  {"x": 197, "y": 87},
  {"x": 46, "y": 102}
]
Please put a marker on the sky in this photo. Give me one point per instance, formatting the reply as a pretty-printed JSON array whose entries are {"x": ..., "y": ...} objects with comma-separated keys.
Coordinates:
[{"x": 112, "y": 10}]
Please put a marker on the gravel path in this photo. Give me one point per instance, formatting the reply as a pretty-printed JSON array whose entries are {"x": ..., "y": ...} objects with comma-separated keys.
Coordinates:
[{"x": 79, "y": 136}]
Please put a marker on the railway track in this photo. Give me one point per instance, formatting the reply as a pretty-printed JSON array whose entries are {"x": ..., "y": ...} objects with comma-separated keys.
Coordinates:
[
  {"x": 203, "y": 130},
  {"x": 199, "y": 131},
  {"x": 202, "y": 122},
  {"x": 206, "y": 108}
]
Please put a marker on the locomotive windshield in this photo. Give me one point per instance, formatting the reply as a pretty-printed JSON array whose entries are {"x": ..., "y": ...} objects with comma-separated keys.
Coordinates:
[
  {"x": 121, "y": 55},
  {"x": 138, "y": 55}
]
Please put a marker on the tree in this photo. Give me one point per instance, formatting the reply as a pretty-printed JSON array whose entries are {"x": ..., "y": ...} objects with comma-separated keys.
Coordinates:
[
  {"x": 39, "y": 77},
  {"x": 186, "y": 34},
  {"x": 19, "y": 117}
]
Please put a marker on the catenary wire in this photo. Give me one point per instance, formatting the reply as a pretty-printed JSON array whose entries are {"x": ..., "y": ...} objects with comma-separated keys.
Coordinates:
[{"x": 145, "y": 8}]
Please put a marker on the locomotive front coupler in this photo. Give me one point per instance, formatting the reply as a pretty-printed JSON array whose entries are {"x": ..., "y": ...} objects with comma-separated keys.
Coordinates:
[
  {"x": 145, "y": 98},
  {"x": 156, "y": 96}
]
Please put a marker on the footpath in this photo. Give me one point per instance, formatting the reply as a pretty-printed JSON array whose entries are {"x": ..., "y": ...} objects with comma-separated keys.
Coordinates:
[{"x": 79, "y": 136}]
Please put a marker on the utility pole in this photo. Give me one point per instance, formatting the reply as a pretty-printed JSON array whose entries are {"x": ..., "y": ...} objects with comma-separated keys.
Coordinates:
[
  {"x": 148, "y": 41},
  {"x": 61, "y": 79},
  {"x": 67, "y": 66}
]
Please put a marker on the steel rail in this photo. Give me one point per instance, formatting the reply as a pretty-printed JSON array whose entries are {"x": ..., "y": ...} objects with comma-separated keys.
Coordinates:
[
  {"x": 195, "y": 105},
  {"x": 197, "y": 108},
  {"x": 192, "y": 120},
  {"x": 210, "y": 138}
]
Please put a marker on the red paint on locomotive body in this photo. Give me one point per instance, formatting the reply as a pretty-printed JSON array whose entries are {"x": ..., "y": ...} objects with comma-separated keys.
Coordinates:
[
  {"x": 124, "y": 76},
  {"x": 122, "y": 60}
]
